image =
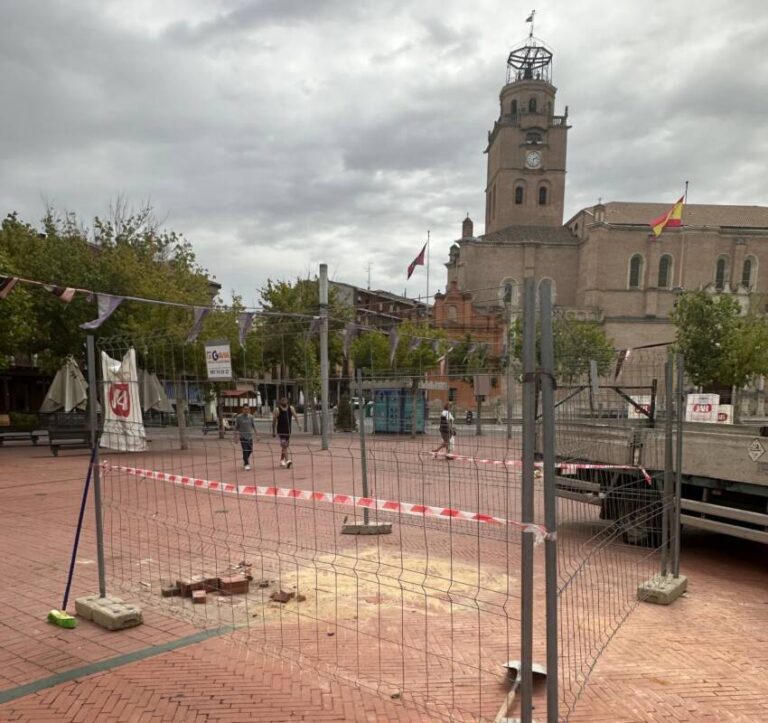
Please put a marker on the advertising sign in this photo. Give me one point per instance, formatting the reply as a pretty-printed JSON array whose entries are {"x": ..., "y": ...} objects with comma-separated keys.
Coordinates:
[
  {"x": 702, "y": 407},
  {"x": 644, "y": 400},
  {"x": 725, "y": 414},
  {"x": 218, "y": 360}
]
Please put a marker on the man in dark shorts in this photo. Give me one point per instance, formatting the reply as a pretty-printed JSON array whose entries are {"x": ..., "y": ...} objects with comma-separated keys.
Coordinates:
[
  {"x": 281, "y": 427},
  {"x": 245, "y": 426}
]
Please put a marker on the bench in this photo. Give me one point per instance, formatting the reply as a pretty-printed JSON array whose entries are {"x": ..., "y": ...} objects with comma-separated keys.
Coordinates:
[
  {"x": 16, "y": 436},
  {"x": 69, "y": 438}
]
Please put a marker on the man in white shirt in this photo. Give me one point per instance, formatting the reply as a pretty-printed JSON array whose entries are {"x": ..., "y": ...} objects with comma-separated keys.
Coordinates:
[{"x": 446, "y": 429}]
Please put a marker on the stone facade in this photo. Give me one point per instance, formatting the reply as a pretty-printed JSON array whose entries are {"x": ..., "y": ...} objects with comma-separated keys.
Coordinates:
[{"x": 604, "y": 262}]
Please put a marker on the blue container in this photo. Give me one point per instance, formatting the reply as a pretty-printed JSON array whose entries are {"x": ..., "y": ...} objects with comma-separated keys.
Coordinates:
[{"x": 393, "y": 411}]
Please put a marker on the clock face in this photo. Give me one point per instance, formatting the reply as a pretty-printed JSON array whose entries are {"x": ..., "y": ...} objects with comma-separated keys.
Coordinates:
[{"x": 533, "y": 159}]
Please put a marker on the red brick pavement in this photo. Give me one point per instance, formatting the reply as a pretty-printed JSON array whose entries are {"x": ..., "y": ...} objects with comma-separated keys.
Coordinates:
[{"x": 704, "y": 658}]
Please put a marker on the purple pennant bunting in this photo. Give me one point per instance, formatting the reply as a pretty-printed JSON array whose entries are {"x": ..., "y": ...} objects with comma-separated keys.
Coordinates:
[
  {"x": 436, "y": 346},
  {"x": 244, "y": 324},
  {"x": 413, "y": 343},
  {"x": 64, "y": 294},
  {"x": 107, "y": 304},
  {"x": 623, "y": 354},
  {"x": 314, "y": 327},
  {"x": 394, "y": 337},
  {"x": 6, "y": 285},
  {"x": 200, "y": 313},
  {"x": 349, "y": 332}
]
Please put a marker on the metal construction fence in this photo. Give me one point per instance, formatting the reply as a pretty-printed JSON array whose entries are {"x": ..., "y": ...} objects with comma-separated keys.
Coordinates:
[{"x": 475, "y": 569}]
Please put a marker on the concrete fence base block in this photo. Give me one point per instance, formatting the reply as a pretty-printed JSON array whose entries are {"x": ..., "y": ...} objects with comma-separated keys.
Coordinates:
[
  {"x": 109, "y": 612},
  {"x": 662, "y": 589},
  {"x": 372, "y": 528}
]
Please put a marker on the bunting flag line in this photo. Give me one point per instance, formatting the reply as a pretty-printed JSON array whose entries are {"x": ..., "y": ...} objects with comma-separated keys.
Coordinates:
[
  {"x": 671, "y": 219},
  {"x": 623, "y": 356},
  {"x": 314, "y": 327},
  {"x": 413, "y": 343},
  {"x": 350, "y": 330},
  {"x": 418, "y": 261},
  {"x": 64, "y": 294},
  {"x": 6, "y": 285},
  {"x": 244, "y": 324},
  {"x": 436, "y": 346},
  {"x": 107, "y": 305},
  {"x": 200, "y": 313},
  {"x": 394, "y": 337}
]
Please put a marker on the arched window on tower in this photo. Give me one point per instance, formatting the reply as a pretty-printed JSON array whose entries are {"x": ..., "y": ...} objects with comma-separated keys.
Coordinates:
[
  {"x": 532, "y": 105},
  {"x": 665, "y": 271},
  {"x": 552, "y": 286},
  {"x": 542, "y": 195},
  {"x": 533, "y": 137},
  {"x": 635, "y": 271},
  {"x": 519, "y": 196},
  {"x": 508, "y": 292},
  {"x": 513, "y": 107},
  {"x": 721, "y": 273},
  {"x": 749, "y": 272}
]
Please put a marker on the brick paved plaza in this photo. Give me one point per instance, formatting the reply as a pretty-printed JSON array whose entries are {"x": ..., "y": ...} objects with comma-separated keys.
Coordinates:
[{"x": 360, "y": 648}]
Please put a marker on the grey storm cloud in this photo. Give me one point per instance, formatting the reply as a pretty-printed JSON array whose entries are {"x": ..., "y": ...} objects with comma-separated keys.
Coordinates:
[{"x": 279, "y": 134}]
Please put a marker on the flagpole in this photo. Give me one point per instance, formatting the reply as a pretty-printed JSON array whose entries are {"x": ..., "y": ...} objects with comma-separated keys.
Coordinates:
[
  {"x": 427, "y": 300},
  {"x": 682, "y": 240}
]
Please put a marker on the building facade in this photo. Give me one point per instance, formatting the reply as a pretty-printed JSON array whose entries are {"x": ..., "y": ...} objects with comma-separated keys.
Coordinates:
[{"x": 604, "y": 263}]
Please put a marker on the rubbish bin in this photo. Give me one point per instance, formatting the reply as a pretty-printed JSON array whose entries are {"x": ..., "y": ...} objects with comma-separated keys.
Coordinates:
[{"x": 470, "y": 416}]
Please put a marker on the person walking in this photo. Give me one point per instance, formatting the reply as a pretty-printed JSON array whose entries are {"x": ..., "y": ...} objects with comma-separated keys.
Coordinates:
[
  {"x": 281, "y": 427},
  {"x": 245, "y": 426},
  {"x": 446, "y": 429}
]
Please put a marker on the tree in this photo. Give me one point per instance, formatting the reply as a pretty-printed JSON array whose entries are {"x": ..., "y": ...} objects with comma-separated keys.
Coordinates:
[
  {"x": 722, "y": 346},
  {"x": 370, "y": 351},
  {"x": 128, "y": 255},
  {"x": 576, "y": 343}
]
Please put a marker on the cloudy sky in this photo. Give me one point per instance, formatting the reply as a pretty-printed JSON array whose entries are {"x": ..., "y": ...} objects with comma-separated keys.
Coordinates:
[{"x": 279, "y": 134}]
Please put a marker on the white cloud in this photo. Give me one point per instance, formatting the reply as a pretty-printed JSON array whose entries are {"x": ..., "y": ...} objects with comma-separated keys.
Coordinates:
[{"x": 278, "y": 134}]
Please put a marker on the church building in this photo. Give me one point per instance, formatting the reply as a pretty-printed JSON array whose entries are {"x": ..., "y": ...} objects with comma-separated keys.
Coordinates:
[{"x": 605, "y": 263}]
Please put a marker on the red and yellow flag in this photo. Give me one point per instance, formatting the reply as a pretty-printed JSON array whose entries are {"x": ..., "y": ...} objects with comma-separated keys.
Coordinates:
[{"x": 671, "y": 219}]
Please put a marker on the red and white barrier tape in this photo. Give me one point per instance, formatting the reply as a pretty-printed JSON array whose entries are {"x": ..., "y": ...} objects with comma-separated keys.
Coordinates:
[
  {"x": 407, "y": 508},
  {"x": 563, "y": 467}
]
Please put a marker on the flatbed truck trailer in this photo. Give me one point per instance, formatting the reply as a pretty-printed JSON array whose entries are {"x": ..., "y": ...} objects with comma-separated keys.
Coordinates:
[{"x": 724, "y": 475}]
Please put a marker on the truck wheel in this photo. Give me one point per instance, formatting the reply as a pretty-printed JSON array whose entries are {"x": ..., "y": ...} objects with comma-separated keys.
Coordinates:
[{"x": 641, "y": 523}]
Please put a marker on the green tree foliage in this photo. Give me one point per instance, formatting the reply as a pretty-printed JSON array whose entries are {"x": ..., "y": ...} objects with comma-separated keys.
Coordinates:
[
  {"x": 288, "y": 338},
  {"x": 128, "y": 255},
  {"x": 721, "y": 345},
  {"x": 370, "y": 351},
  {"x": 415, "y": 352},
  {"x": 576, "y": 343}
]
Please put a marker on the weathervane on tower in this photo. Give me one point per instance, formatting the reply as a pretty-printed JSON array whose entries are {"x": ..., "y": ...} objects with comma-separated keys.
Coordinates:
[{"x": 530, "y": 20}]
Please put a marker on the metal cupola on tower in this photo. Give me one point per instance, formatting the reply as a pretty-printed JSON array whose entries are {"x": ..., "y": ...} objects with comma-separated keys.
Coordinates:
[{"x": 527, "y": 145}]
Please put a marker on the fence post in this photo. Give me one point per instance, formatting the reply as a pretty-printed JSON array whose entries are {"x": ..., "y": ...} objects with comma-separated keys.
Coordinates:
[
  {"x": 363, "y": 457},
  {"x": 550, "y": 509},
  {"x": 96, "y": 476},
  {"x": 669, "y": 402},
  {"x": 325, "y": 412},
  {"x": 528, "y": 452},
  {"x": 680, "y": 362}
]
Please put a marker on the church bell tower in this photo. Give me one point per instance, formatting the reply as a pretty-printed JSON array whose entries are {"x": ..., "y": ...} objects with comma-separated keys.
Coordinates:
[{"x": 527, "y": 146}]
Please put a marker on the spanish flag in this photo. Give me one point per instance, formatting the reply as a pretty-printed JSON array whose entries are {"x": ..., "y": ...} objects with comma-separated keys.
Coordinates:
[{"x": 671, "y": 219}]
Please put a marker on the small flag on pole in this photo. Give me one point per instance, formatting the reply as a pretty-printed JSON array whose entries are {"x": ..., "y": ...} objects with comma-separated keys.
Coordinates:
[
  {"x": 418, "y": 261},
  {"x": 529, "y": 19},
  {"x": 671, "y": 219}
]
